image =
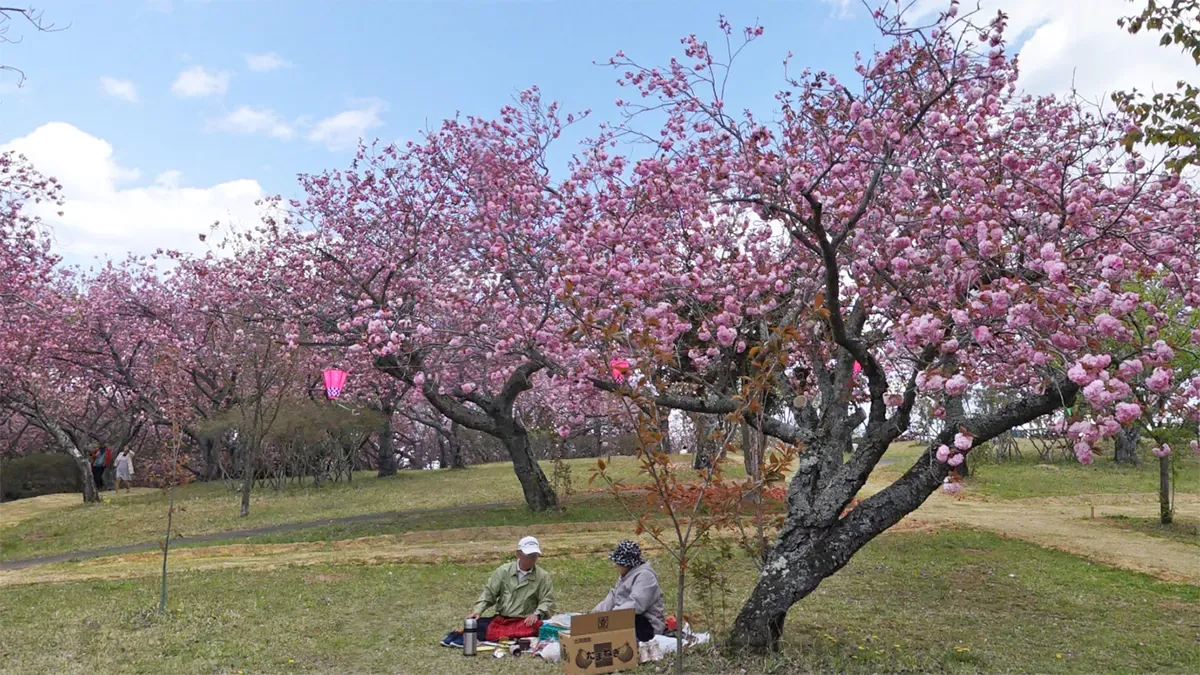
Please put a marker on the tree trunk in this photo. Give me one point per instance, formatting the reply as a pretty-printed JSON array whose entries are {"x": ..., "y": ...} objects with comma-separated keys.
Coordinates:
[
  {"x": 817, "y": 540},
  {"x": 665, "y": 445},
  {"x": 210, "y": 458},
  {"x": 752, "y": 451},
  {"x": 387, "y": 452},
  {"x": 494, "y": 416},
  {"x": 1165, "y": 511},
  {"x": 1126, "y": 445},
  {"x": 703, "y": 458},
  {"x": 805, "y": 556},
  {"x": 458, "y": 459},
  {"x": 91, "y": 491},
  {"x": 443, "y": 451},
  {"x": 679, "y": 620},
  {"x": 539, "y": 494},
  {"x": 247, "y": 479}
]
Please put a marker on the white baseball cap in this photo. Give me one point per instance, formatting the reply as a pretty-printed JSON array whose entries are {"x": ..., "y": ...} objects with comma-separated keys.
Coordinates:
[{"x": 529, "y": 546}]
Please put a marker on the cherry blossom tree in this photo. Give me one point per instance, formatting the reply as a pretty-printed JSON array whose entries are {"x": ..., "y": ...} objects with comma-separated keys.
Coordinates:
[
  {"x": 901, "y": 237},
  {"x": 432, "y": 261},
  {"x": 37, "y": 305}
]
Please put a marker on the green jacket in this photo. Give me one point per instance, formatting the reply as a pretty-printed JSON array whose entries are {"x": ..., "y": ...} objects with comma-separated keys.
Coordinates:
[{"x": 510, "y": 596}]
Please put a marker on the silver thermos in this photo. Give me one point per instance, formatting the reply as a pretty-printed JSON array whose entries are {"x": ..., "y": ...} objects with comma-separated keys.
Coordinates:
[{"x": 470, "y": 637}]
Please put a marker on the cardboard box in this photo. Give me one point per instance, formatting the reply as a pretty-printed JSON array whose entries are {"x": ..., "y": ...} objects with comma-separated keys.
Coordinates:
[{"x": 603, "y": 642}]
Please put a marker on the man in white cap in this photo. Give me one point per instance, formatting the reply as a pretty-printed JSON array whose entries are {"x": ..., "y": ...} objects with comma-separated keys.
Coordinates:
[{"x": 519, "y": 592}]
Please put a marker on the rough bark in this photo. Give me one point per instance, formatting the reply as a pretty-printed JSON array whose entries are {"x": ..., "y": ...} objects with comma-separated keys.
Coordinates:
[
  {"x": 1125, "y": 446},
  {"x": 749, "y": 452},
  {"x": 703, "y": 457},
  {"x": 1166, "y": 512},
  {"x": 247, "y": 480},
  {"x": 387, "y": 451},
  {"x": 458, "y": 457},
  {"x": 816, "y": 541},
  {"x": 91, "y": 491},
  {"x": 539, "y": 494},
  {"x": 210, "y": 456},
  {"x": 492, "y": 414},
  {"x": 665, "y": 445}
]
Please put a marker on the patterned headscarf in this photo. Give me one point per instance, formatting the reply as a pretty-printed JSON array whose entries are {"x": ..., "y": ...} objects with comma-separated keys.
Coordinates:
[{"x": 627, "y": 554}]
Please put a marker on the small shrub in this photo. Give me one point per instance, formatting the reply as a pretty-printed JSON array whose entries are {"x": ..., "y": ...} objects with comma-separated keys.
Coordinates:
[
  {"x": 38, "y": 474},
  {"x": 561, "y": 481}
]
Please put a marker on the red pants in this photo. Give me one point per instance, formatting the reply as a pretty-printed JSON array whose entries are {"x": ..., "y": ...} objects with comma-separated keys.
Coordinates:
[{"x": 510, "y": 628}]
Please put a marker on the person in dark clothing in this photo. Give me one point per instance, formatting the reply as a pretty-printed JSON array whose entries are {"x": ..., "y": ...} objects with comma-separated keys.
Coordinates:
[{"x": 101, "y": 458}]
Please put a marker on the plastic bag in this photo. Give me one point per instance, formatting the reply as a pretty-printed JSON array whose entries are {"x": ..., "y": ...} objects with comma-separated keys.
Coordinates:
[
  {"x": 649, "y": 651},
  {"x": 552, "y": 652},
  {"x": 561, "y": 620}
]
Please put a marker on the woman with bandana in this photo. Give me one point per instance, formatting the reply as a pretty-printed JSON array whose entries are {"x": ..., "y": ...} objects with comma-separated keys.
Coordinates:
[{"x": 636, "y": 589}]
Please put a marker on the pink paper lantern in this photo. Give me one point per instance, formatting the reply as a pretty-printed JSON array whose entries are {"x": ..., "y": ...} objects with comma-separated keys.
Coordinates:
[
  {"x": 619, "y": 367},
  {"x": 334, "y": 381}
]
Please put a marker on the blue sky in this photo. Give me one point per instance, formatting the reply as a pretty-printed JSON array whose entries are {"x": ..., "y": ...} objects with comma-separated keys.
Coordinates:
[
  {"x": 166, "y": 125},
  {"x": 419, "y": 61}
]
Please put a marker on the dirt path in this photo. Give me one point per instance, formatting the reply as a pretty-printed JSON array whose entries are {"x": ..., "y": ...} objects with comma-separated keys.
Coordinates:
[
  {"x": 1065, "y": 524},
  {"x": 1060, "y": 523}
]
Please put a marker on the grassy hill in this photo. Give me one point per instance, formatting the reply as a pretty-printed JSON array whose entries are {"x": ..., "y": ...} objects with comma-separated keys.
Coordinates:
[{"x": 374, "y": 595}]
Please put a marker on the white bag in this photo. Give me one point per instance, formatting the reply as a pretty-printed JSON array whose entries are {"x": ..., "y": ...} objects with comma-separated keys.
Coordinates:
[
  {"x": 552, "y": 652},
  {"x": 649, "y": 651}
]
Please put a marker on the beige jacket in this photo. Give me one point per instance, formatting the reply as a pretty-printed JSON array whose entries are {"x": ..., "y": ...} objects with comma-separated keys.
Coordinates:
[{"x": 638, "y": 590}]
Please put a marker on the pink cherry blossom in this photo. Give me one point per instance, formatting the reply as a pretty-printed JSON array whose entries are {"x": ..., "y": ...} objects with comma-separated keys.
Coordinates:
[
  {"x": 1160, "y": 380},
  {"x": 726, "y": 336},
  {"x": 956, "y": 385},
  {"x": 1128, "y": 412}
]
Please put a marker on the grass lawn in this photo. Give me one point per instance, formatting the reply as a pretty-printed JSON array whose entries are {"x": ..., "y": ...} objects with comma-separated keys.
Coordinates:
[
  {"x": 582, "y": 509},
  {"x": 212, "y": 507},
  {"x": 1023, "y": 479},
  {"x": 956, "y": 601},
  {"x": 1182, "y": 529},
  {"x": 1030, "y": 478}
]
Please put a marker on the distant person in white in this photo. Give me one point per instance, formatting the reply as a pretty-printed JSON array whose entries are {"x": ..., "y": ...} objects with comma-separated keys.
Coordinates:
[{"x": 124, "y": 471}]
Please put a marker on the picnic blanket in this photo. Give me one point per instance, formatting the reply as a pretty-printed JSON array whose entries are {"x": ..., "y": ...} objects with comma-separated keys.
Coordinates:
[{"x": 510, "y": 628}]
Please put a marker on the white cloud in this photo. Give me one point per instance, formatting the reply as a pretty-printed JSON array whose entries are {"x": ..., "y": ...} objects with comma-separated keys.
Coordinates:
[
  {"x": 1078, "y": 41},
  {"x": 343, "y": 130},
  {"x": 265, "y": 63},
  {"x": 248, "y": 121},
  {"x": 122, "y": 89},
  {"x": 108, "y": 213},
  {"x": 841, "y": 8},
  {"x": 197, "y": 81}
]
